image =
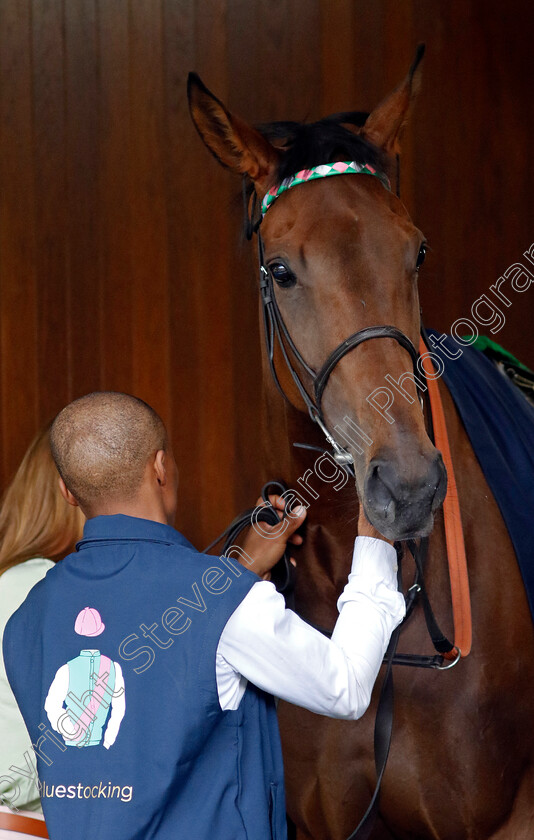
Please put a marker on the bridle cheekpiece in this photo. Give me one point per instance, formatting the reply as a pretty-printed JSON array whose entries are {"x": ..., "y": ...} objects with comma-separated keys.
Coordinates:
[{"x": 275, "y": 328}]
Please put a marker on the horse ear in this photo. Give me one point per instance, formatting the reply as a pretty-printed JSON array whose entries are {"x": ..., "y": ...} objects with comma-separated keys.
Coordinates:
[
  {"x": 233, "y": 142},
  {"x": 384, "y": 125}
]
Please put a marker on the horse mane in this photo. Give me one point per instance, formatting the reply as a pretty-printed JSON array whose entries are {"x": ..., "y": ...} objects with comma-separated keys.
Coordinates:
[{"x": 305, "y": 145}]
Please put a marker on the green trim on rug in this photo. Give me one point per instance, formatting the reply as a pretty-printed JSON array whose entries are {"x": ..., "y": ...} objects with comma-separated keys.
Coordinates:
[{"x": 491, "y": 348}]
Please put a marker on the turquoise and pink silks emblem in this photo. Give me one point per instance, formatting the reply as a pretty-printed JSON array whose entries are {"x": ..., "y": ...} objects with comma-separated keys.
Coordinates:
[{"x": 86, "y": 700}]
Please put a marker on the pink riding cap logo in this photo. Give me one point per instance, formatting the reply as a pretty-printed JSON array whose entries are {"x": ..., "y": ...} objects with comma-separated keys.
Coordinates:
[{"x": 89, "y": 623}]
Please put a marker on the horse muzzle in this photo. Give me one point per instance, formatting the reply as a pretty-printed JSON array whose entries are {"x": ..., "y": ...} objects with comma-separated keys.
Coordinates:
[{"x": 403, "y": 507}]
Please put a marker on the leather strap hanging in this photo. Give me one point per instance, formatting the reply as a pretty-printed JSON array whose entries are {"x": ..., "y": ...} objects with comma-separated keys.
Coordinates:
[{"x": 461, "y": 602}]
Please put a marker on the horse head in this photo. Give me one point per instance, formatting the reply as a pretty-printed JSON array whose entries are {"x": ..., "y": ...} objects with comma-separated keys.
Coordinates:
[{"x": 341, "y": 255}]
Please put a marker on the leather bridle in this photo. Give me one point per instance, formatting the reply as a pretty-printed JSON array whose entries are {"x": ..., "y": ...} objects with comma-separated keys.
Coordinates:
[{"x": 276, "y": 331}]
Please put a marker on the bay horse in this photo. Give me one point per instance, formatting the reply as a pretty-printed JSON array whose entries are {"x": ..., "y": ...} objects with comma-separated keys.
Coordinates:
[{"x": 343, "y": 255}]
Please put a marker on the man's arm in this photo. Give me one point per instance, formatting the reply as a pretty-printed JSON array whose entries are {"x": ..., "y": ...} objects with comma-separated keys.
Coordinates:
[{"x": 277, "y": 651}]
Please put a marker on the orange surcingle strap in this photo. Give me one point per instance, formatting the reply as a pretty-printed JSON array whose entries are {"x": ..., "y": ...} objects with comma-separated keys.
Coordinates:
[{"x": 454, "y": 537}]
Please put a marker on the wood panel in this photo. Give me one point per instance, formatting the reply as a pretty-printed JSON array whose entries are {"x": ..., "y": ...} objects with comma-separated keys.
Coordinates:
[
  {"x": 116, "y": 230},
  {"x": 54, "y": 382},
  {"x": 150, "y": 318},
  {"x": 121, "y": 263},
  {"x": 18, "y": 322},
  {"x": 183, "y": 244},
  {"x": 82, "y": 162}
]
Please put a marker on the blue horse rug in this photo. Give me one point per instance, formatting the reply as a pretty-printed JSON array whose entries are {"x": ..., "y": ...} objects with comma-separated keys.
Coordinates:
[{"x": 500, "y": 424}]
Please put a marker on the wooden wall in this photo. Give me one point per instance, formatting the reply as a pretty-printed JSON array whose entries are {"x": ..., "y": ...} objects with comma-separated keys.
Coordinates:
[{"x": 121, "y": 264}]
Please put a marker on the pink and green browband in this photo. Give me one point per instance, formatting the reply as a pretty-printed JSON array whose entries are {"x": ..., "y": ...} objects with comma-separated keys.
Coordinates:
[{"x": 324, "y": 171}]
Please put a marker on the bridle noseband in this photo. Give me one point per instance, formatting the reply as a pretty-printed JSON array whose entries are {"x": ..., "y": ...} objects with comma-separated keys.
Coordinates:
[{"x": 275, "y": 329}]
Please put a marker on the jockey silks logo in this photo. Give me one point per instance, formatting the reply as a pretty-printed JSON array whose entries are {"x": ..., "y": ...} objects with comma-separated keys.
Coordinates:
[{"x": 84, "y": 689}]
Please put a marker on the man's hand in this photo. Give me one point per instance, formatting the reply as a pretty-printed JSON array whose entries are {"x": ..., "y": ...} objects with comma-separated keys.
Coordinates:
[
  {"x": 265, "y": 544},
  {"x": 365, "y": 529}
]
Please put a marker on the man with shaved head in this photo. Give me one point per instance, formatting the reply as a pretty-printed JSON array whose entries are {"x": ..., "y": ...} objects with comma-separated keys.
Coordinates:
[
  {"x": 162, "y": 723},
  {"x": 102, "y": 443}
]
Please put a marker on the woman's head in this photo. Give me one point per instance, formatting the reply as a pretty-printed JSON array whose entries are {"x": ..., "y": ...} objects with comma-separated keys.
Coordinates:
[{"x": 35, "y": 520}]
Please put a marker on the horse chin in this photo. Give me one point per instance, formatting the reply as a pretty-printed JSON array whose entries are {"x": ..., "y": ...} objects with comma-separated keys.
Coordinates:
[{"x": 400, "y": 532}]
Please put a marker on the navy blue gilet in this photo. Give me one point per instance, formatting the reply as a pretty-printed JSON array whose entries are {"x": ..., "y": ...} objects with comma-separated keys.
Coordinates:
[{"x": 151, "y": 755}]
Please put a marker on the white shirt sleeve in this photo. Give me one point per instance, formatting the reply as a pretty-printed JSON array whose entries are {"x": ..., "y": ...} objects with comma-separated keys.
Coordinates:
[
  {"x": 276, "y": 650},
  {"x": 57, "y": 692},
  {"x": 118, "y": 708}
]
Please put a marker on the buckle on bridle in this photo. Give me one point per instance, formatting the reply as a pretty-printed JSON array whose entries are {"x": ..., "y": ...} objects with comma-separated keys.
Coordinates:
[
  {"x": 340, "y": 455},
  {"x": 265, "y": 286},
  {"x": 452, "y": 663}
]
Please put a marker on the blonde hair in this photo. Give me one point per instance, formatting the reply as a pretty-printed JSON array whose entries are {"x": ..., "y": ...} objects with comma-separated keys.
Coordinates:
[{"x": 35, "y": 519}]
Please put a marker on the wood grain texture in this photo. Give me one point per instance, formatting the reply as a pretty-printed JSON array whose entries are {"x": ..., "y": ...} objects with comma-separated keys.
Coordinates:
[
  {"x": 116, "y": 227},
  {"x": 18, "y": 298},
  {"x": 122, "y": 265},
  {"x": 54, "y": 378}
]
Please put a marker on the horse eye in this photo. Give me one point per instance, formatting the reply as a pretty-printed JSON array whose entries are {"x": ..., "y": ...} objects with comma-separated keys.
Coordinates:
[
  {"x": 282, "y": 275},
  {"x": 421, "y": 256}
]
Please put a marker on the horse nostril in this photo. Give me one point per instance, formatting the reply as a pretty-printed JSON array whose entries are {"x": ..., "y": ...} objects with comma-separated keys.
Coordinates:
[
  {"x": 440, "y": 483},
  {"x": 379, "y": 498}
]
